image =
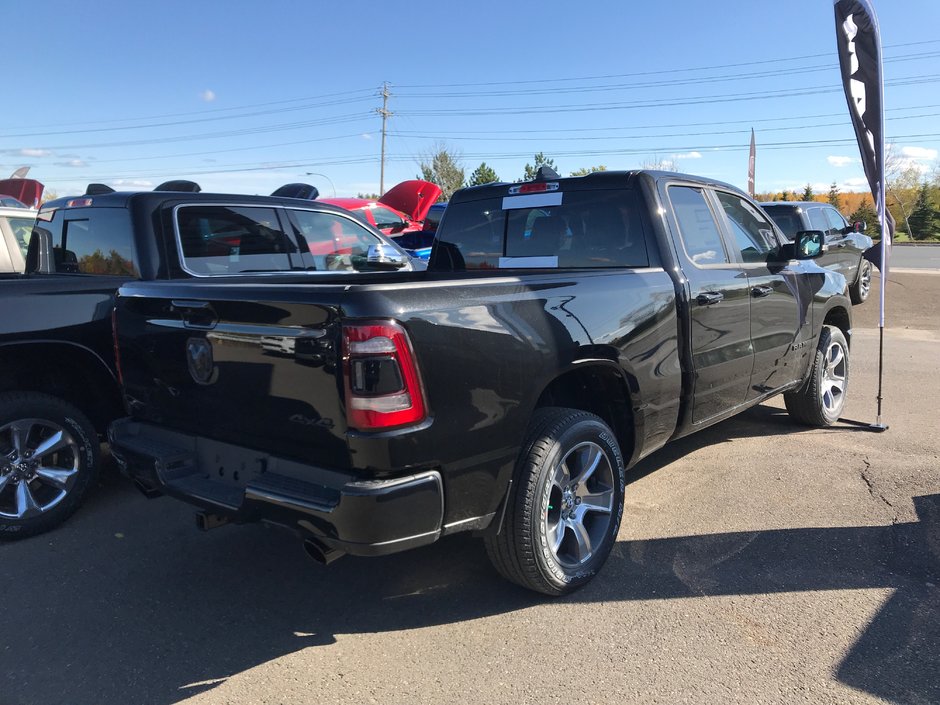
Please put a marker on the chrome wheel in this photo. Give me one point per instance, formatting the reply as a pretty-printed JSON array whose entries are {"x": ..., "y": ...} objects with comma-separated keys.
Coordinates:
[
  {"x": 864, "y": 280},
  {"x": 578, "y": 504},
  {"x": 832, "y": 386},
  {"x": 39, "y": 464}
]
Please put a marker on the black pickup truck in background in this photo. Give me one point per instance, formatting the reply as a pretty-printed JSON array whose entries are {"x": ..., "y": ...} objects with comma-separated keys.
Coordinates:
[
  {"x": 58, "y": 383},
  {"x": 564, "y": 329},
  {"x": 845, "y": 242}
]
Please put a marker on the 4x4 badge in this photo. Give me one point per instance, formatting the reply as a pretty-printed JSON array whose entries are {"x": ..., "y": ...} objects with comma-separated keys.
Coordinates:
[{"x": 199, "y": 359}]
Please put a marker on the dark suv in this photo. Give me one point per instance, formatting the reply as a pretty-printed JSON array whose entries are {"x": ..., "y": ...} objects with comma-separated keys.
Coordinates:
[{"x": 846, "y": 241}]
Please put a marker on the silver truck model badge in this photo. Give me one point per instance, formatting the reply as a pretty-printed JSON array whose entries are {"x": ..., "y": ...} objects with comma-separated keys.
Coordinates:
[{"x": 199, "y": 359}]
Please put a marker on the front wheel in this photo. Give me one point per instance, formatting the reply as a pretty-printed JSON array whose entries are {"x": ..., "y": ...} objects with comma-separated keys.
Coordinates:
[
  {"x": 565, "y": 504},
  {"x": 48, "y": 461},
  {"x": 860, "y": 290},
  {"x": 820, "y": 400}
]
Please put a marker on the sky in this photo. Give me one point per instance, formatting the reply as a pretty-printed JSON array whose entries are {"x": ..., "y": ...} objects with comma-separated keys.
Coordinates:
[{"x": 243, "y": 97}]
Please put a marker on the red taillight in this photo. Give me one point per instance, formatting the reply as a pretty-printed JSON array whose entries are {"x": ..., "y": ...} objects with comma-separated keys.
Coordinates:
[
  {"x": 117, "y": 350},
  {"x": 383, "y": 388},
  {"x": 533, "y": 187}
]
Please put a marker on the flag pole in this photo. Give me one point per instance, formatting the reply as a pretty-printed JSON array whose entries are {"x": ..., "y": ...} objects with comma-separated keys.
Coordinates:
[
  {"x": 859, "y": 45},
  {"x": 879, "y": 426}
]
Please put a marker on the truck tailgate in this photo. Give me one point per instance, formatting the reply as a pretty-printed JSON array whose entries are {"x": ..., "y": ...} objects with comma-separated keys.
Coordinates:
[{"x": 251, "y": 365}]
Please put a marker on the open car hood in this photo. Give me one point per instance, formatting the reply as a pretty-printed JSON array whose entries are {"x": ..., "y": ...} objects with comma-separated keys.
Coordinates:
[
  {"x": 28, "y": 191},
  {"x": 413, "y": 198}
]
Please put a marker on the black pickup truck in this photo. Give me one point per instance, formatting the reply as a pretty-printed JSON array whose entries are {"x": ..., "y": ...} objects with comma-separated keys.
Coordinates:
[
  {"x": 58, "y": 384},
  {"x": 564, "y": 329}
]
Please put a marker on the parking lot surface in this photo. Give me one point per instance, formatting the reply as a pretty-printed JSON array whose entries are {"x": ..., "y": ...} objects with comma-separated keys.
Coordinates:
[{"x": 758, "y": 562}]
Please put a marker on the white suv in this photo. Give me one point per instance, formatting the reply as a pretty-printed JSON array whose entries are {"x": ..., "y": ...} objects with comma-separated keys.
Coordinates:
[{"x": 16, "y": 225}]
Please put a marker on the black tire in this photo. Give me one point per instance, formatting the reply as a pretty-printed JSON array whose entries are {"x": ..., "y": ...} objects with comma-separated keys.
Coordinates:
[
  {"x": 820, "y": 400},
  {"x": 40, "y": 491},
  {"x": 860, "y": 289},
  {"x": 552, "y": 541}
]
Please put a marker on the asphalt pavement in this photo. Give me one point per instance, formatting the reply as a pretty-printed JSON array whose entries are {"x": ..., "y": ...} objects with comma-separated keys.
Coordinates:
[{"x": 758, "y": 562}]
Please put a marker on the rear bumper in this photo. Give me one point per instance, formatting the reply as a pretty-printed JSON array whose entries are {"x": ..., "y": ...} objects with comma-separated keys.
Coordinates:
[{"x": 360, "y": 517}]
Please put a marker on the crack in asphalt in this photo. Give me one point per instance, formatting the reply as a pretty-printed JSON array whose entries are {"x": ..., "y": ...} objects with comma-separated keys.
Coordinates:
[{"x": 874, "y": 493}]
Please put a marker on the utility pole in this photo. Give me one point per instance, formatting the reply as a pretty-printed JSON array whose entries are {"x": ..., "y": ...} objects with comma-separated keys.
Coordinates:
[{"x": 384, "y": 112}]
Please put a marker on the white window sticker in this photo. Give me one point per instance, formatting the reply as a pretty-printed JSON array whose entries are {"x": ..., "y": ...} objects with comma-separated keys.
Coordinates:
[
  {"x": 546, "y": 262},
  {"x": 532, "y": 200}
]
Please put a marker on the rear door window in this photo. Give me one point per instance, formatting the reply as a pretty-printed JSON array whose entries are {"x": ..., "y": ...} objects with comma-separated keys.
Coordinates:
[
  {"x": 95, "y": 241},
  {"x": 574, "y": 229},
  {"x": 222, "y": 239}
]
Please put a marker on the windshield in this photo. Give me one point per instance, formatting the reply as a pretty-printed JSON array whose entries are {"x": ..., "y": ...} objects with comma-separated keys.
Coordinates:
[
  {"x": 384, "y": 218},
  {"x": 787, "y": 218},
  {"x": 22, "y": 228}
]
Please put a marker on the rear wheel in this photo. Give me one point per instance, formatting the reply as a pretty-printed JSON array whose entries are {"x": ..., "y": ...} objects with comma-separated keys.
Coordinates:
[
  {"x": 565, "y": 504},
  {"x": 820, "y": 400},
  {"x": 860, "y": 290},
  {"x": 48, "y": 461}
]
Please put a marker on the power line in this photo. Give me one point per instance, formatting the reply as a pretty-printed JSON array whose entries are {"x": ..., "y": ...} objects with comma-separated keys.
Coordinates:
[
  {"x": 187, "y": 122},
  {"x": 750, "y": 121},
  {"x": 367, "y": 91},
  {"x": 660, "y": 72},
  {"x": 652, "y": 84},
  {"x": 335, "y": 120},
  {"x": 360, "y": 159},
  {"x": 655, "y": 103}
]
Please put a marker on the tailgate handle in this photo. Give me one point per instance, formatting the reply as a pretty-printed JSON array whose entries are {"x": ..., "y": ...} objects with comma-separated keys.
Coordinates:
[
  {"x": 709, "y": 298},
  {"x": 195, "y": 314}
]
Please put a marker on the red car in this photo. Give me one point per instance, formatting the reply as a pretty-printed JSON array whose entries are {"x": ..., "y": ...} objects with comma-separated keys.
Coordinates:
[{"x": 401, "y": 210}]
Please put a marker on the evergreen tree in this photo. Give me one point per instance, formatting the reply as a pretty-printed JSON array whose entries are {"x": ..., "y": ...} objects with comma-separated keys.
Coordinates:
[
  {"x": 866, "y": 214},
  {"x": 540, "y": 160},
  {"x": 924, "y": 219},
  {"x": 584, "y": 171},
  {"x": 483, "y": 174},
  {"x": 807, "y": 193},
  {"x": 834, "y": 199},
  {"x": 442, "y": 168},
  {"x": 787, "y": 196}
]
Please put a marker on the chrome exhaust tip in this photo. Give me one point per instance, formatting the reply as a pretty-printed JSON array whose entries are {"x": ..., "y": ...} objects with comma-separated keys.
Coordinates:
[{"x": 321, "y": 553}]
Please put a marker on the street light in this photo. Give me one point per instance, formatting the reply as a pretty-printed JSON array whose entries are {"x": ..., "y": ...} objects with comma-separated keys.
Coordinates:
[{"x": 315, "y": 173}]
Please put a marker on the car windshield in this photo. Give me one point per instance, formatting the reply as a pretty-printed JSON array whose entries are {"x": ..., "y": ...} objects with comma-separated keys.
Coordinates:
[
  {"x": 384, "y": 218},
  {"x": 787, "y": 218},
  {"x": 22, "y": 228}
]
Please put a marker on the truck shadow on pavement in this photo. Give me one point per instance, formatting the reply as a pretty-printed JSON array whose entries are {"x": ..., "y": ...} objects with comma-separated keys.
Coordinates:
[{"x": 129, "y": 605}]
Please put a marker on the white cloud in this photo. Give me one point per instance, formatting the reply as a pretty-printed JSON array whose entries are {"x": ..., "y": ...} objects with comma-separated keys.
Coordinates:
[
  {"x": 207, "y": 95},
  {"x": 855, "y": 183},
  {"x": 133, "y": 183},
  {"x": 35, "y": 153},
  {"x": 688, "y": 155},
  {"x": 74, "y": 163},
  {"x": 841, "y": 161},
  {"x": 366, "y": 136},
  {"x": 919, "y": 153}
]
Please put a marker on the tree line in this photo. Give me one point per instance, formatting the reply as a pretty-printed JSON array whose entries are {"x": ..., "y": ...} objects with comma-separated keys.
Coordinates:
[
  {"x": 913, "y": 198},
  {"x": 442, "y": 167}
]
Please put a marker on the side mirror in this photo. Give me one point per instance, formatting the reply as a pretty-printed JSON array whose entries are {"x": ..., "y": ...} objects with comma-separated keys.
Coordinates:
[
  {"x": 382, "y": 256},
  {"x": 860, "y": 226},
  {"x": 809, "y": 244}
]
